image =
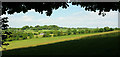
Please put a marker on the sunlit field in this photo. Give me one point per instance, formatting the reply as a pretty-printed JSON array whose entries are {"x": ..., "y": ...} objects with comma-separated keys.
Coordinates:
[{"x": 106, "y": 43}]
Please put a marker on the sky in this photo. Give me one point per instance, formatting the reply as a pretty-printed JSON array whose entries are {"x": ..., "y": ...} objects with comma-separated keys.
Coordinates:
[{"x": 73, "y": 16}]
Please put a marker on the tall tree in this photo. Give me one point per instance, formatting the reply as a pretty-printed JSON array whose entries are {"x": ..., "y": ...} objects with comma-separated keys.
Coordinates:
[
  {"x": 106, "y": 28},
  {"x": 4, "y": 26}
]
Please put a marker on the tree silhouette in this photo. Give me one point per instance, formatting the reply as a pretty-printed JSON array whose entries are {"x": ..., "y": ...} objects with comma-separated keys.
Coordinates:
[
  {"x": 12, "y": 7},
  {"x": 100, "y": 6},
  {"x": 4, "y": 26}
]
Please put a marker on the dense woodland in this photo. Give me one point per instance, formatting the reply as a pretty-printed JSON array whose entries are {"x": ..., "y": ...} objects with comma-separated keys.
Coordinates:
[{"x": 28, "y": 32}]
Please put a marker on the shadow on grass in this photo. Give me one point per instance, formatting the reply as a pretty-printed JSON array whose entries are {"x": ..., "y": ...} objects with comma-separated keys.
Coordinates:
[{"x": 107, "y": 44}]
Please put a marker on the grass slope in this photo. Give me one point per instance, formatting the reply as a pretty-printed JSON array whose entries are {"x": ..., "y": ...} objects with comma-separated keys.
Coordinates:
[
  {"x": 106, "y": 44},
  {"x": 47, "y": 40}
]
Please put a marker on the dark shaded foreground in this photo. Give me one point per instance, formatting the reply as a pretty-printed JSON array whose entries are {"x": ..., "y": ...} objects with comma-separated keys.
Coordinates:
[{"x": 101, "y": 45}]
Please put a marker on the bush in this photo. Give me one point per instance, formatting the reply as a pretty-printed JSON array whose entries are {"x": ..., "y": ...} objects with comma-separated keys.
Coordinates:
[
  {"x": 36, "y": 36},
  {"x": 9, "y": 39},
  {"x": 24, "y": 36},
  {"x": 61, "y": 33},
  {"x": 79, "y": 31},
  {"x": 101, "y": 30},
  {"x": 111, "y": 29},
  {"x": 106, "y": 29},
  {"x": 31, "y": 35},
  {"x": 65, "y": 33},
  {"x": 82, "y": 31},
  {"x": 54, "y": 35},
  {"x": 74, "y": 31},
  {"x": 96, "y": 30},
  {"x": 58, "y": 33},
  {"x": 51, "y": 32},
  {"x": 35, "y": 33},
  {"x": 46, "y": 34},
  {"x": 69, "y": 31}
]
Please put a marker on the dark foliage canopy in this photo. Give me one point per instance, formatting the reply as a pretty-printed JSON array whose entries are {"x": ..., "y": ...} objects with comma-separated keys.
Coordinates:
[
  {"x": 101, "y": 6},
  {"x": 12, "y": 7}
]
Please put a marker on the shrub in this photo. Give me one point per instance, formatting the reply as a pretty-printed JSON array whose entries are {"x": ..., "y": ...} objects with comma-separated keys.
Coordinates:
[
  {"x": 24, "y": 36},
  {"x": 58, "y": 33},
  {"x": 46, "y": 34},
  {"x": 106, "y": 29},
  {"x": 111, "y": 29},
  {"x": 69, "y": 31},
  {"x": 54, "y": 35},
  {"x": 79, "y": 31},
  {"x": 51, "y": 32},
  {"x": 74, "y": 31},
  {"x": 31, "y": 35},
  {"x": 82, "y": 31},
  {"x": 101, "y": 30},
  {"x": 96, "y": 30},
  {"x": 36, "y": 36},
  {"x": 61, "y": 33},
  {"x": 35, "y": 33}
]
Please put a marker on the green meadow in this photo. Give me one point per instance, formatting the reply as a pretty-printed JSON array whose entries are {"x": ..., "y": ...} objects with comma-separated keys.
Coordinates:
[{"x": 105, "y": 43}]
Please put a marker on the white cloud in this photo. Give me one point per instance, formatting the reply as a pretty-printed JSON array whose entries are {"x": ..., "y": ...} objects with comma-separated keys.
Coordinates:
[
  {"x": 77, "y": 19},
  {"x": 61, "y": 18},
  {"x": 91, "y": 19},
  {"x": 27, "y": 18}
]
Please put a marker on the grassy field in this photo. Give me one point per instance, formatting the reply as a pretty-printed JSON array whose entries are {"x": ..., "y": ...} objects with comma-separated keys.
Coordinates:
[
  {"x": 106, "y": 43},
  {"x": 37, "y": 41}
]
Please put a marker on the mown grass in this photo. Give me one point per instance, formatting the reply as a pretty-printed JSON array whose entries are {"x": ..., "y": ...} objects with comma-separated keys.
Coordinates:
[{"x": 106, "y": 44}]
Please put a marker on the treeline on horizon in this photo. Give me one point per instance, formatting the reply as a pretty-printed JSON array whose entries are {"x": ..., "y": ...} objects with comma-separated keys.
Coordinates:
[
  {"x": 48, "y": 27},
  {"x": 50, "y": 31}
]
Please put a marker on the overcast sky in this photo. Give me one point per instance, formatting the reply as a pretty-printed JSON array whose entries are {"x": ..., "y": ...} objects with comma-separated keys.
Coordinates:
[{"x": 73, "y": 16}]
